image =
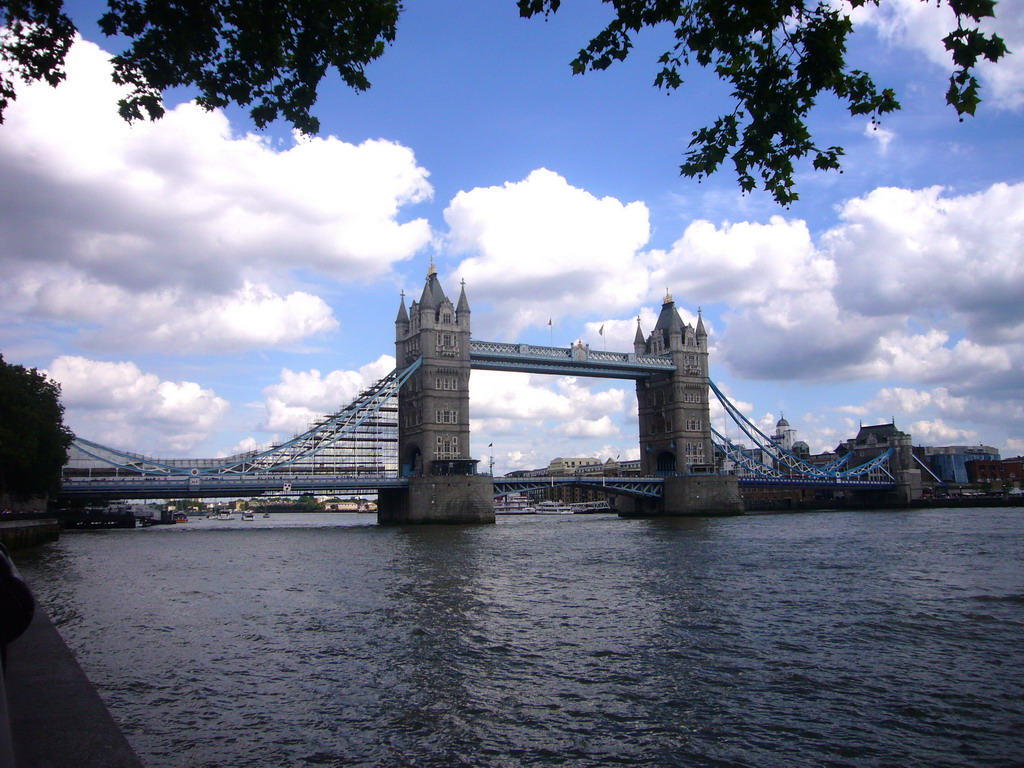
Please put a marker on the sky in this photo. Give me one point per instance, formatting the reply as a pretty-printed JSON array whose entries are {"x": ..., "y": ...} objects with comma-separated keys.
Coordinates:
[{"x": 198, "y": 287}]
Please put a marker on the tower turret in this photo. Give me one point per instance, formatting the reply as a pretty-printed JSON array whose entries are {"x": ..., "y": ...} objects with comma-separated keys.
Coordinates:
[
  {"x": 402, "y": 321},
  {"x": 702, "y": 335},
  {"x": 639, "y": 346},
  {"x": 462, "y": 311}
]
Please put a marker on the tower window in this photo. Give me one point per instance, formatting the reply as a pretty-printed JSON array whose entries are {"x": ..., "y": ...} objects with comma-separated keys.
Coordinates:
[
  {"x": 445, "y": 416},
  {"x": 447, "y": 447}
]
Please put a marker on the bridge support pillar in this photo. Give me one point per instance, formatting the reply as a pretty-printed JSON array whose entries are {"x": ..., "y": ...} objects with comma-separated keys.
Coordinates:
[
  {"x": 698, "y": 495},
  {"x": 438, "y": 499}
]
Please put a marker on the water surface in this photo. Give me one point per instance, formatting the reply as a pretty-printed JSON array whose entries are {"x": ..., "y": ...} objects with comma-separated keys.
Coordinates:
[{"x": 830, "y": 639}]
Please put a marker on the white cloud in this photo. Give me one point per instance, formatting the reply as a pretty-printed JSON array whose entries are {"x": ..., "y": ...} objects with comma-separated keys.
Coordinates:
[
  {"x": 877, "y": 133},
  {"x": 107, "y": 220},
  {"x": 601, "y": 427},
  {"x": 301, "y": 398},
  {"x": 903, "y": 251},
  {"x": 937, "y": 432},
  {"x": 925, "y": 357},
  {"x": 541, "y": 249},
  {"x": 532, "y": 419},
  {"x": 253, "y": 316},
  {"x": 915, "y": 286},
  {"x": 744, "y": 263},
  {"x": 922, "y": 26},
  {"x": 115, "y": 403},
  {"x": 908, "y": 401}
]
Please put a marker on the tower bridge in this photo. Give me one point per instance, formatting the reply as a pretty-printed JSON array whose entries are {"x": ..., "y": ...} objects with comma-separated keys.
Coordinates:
[{"x": 408, "y": 436}]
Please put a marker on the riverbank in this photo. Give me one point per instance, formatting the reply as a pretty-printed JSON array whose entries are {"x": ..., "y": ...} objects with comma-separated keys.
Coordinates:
[{"x": 57, "y": 718}]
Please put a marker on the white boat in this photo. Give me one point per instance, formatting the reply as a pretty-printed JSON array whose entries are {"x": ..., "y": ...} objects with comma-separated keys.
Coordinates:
[
  {"x": 224, "y": 516},
  {"x": 553, "y": 508},
  {"x": 513, "y": 504},
  {"x": 248, "y": 515}
]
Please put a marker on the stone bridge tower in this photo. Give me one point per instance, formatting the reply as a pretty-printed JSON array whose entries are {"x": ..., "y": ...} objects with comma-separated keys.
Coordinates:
[
  {"x": 675, "y": 417},
  {"x": 675, "y": 422},
  {"x": 433, "y": 416}
]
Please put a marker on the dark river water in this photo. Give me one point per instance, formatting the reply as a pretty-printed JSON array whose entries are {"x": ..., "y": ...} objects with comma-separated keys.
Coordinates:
[{"x": 828, "y": 639}]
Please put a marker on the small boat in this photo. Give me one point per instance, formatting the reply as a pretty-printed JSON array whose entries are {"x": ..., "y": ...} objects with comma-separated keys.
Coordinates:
[
  {"x": 248, "y": 515},
  {"x": 513, "y": 504},
  {"x": 266, "y": 515},
  {"x": 553, "y": 508},
  {"x": 224, "y": 516}
]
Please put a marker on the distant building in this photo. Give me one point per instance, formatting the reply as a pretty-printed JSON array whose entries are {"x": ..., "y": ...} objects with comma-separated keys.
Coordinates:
[
  {"x": 986, "y": 471},
  {"x": 874, "y": 440},
  {"x": 785, "y": 435},
  {"x": 577, "y": 466},
  {"x": 949, "y": 463},
  {"x": 562, "y": 466}
]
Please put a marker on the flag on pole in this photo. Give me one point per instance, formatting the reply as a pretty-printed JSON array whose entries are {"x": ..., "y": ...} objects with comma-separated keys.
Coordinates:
[
  {"x": 549, "y": 320},
  {"x": 602, "y": 329}
]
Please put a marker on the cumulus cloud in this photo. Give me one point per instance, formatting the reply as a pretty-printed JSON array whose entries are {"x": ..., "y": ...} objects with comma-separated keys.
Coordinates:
[
  {"x": 253, "y": 316},
  {"x": 883, "y": 136},
  {"x": 922, "y": 26},
  {"x": 542, "y": 249},
  {"x": 902, "y": 251},
  {"x": 115, "y": 403},
  {"x": 911, "y": 285},
  {"x": 179, "y": 211},
  {"x": 300, "y": 398},
  {"x": 937, "y": 432},
  {"x": 743, "y": 263},
  {"x": 539, "y": 417}
]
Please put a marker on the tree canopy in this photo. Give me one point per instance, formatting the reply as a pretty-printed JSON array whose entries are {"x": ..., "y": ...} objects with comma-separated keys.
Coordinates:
[
  {"x": 778, "y": 57},
  {"x": 33, "y": 439}
]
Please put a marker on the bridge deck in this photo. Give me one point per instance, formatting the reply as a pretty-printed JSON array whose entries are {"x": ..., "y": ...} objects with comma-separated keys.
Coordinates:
[{"x": 227, "y": 486}]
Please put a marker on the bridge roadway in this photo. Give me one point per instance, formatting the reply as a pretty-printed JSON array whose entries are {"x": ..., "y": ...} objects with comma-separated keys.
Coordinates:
[
  {"x": 218, "y": 486},
  {"x": 241, "y": 486}
]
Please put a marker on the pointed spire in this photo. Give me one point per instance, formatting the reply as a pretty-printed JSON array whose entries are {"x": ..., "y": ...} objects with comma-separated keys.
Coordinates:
[
  {"x": 427, "y": 297},
  {"x": 431, "y": 270},
  {"x": 403, "y": 316},
  {"x": 463, "y": 301},
  {"x": 638, "y": 340},
  {"x": 700, "y": 324},
  {"x": 668, "y": 297}
]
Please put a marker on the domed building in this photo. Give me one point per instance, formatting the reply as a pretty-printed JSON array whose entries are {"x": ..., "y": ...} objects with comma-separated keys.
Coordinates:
[{"x": 785, "y": 436}]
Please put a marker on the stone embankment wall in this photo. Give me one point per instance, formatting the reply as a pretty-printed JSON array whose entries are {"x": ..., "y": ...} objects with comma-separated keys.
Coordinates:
[{"x": 19, "y": 530}]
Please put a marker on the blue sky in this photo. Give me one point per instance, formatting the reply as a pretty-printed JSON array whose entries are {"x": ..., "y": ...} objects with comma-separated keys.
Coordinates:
[{"x": 199, "y": 288}]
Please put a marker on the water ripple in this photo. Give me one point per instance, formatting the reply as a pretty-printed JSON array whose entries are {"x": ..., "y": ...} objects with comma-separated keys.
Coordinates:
[{"x": 846, "y": 639}]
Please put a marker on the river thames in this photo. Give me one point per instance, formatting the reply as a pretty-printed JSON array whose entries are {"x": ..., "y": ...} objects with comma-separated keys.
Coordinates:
[{"x": 825, "y": 639}]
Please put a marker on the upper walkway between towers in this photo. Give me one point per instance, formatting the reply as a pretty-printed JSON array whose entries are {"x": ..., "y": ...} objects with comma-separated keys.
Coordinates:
[{"x": 577, "y": 360}]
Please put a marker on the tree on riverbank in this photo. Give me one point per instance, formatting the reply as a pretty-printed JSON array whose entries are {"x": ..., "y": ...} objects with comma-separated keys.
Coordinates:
[
  {"x": 33, "y": 439},
  {"x": 778, "y": 57}
]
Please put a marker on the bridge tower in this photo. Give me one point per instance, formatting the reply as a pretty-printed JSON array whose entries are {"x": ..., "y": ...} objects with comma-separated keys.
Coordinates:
[
  {"x": 433, "y": 416},
  {"x": 675, "y": 420}
]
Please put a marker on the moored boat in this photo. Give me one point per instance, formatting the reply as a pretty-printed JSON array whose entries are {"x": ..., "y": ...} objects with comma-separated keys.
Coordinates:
[
  {"x": 513, "y": 504},
  {"x": 553, "y": 508}
]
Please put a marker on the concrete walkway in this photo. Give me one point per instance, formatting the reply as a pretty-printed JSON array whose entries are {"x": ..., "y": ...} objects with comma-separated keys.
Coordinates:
[{"x": 57, "y": 719}]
